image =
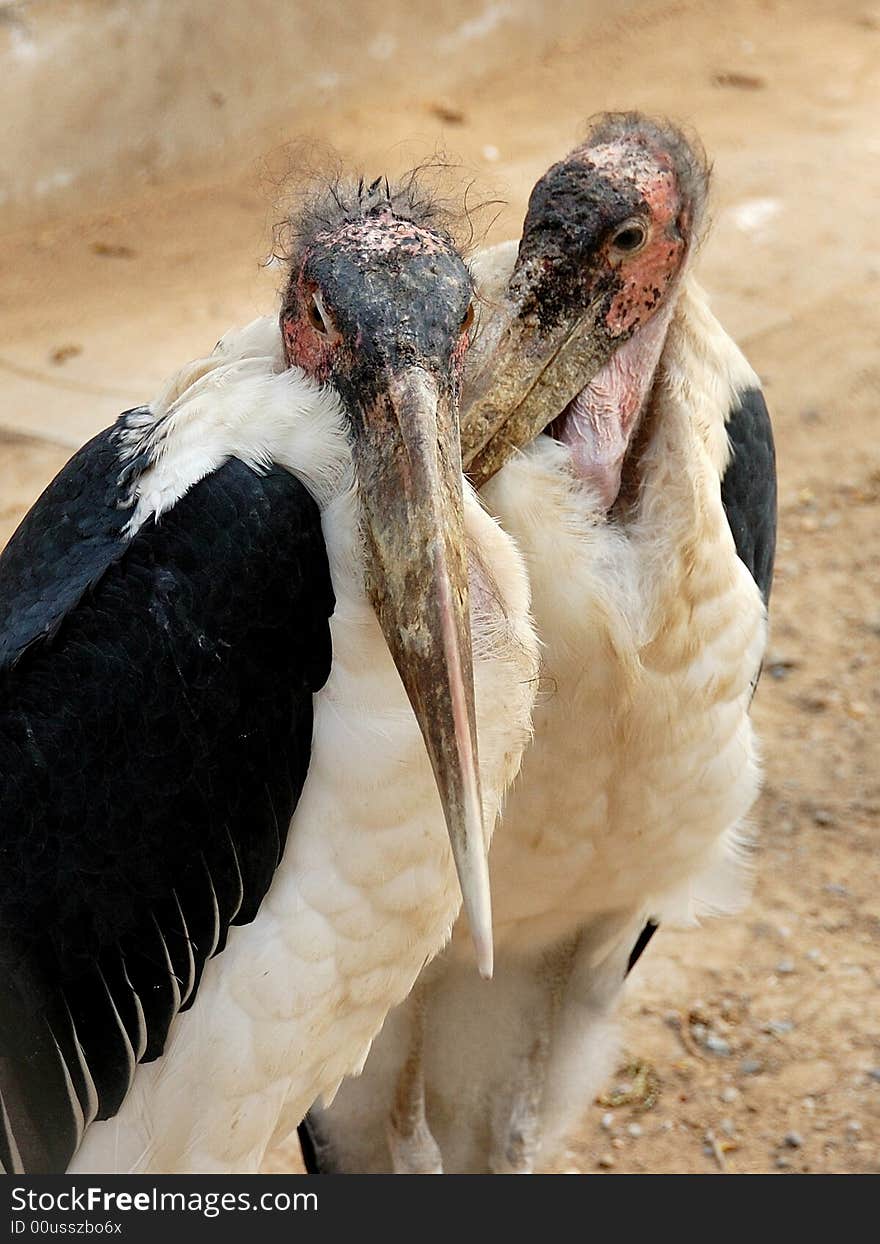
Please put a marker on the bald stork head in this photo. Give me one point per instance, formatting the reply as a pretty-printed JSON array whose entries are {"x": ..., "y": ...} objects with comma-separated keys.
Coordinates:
[
  {"x": 608, "y": 232},
  {"x": 378, "y": 306}
]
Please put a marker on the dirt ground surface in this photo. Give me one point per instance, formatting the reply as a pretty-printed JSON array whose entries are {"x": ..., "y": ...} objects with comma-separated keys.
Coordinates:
[{"x": 752, "y": 1044}]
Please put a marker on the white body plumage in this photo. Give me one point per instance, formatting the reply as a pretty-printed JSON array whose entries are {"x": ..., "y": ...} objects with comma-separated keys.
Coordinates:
[{"x": 366, "y": 891}]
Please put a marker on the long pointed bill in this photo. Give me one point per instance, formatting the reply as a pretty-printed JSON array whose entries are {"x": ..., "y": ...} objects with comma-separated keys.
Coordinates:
[
  {"x": 529, "y": 371},
  {"x": 409, "y": 478}
]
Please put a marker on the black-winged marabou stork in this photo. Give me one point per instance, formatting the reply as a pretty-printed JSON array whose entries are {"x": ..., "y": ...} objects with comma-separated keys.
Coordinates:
[
  {"x": 646, "y": 516},
  {"x": 202, "y": 725}
]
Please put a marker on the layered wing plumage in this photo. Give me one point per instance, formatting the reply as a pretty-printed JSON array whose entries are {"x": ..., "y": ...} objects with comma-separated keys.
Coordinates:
[
  {"x": 155, "y": 730},
  {"x": 748, "y": 487}
]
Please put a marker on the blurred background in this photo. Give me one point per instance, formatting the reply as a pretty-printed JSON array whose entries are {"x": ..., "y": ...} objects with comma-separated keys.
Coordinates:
[{"x": 140, "y": 155}]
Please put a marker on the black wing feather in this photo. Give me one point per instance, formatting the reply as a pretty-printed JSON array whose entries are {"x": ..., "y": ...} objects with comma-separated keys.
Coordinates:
[
  {"x": 641, "y": 945},
  {"x": 316, "y": 1149},
  {"x": 155, "y": 731},
  {"x": 73, "y": 533},
  {"x": 748, "y": 489}
]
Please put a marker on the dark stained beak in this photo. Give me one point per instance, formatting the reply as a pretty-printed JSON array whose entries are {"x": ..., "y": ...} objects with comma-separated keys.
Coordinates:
[
  {"x": 406, "y": 449},
  {"x": 530, "y": 368}
]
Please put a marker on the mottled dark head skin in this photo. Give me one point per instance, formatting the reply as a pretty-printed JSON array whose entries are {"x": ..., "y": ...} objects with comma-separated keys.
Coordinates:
[
  {"x": 607, "y": 234},
  {"x": 375, "y": 290},
  {"x": 612, "y": 222}
]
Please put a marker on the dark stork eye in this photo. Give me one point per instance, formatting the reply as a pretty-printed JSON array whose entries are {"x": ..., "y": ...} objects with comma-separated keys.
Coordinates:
[
  {"x": 468, "y": 318},
  {"x": 318, "y": 317},
  {"x": 630, "y": 237}
]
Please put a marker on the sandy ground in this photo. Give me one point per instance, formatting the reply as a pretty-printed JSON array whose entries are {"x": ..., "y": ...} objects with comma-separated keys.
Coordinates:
[{"x": 752, "y": 1044}]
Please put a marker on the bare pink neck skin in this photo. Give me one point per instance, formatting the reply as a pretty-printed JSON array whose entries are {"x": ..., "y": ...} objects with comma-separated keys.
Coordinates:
[{"x": 599, "y": 423}]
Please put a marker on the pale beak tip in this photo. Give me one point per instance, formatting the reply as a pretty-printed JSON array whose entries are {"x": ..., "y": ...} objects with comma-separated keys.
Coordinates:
[
  {"x": 478, "y": 910},
  {"x": 485, "y": 956}
]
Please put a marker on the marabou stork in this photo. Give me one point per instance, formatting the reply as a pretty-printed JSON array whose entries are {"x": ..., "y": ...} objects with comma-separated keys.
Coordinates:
[
  {"x": 646, "y": 515},
  {"x": 202, "y": 725}
]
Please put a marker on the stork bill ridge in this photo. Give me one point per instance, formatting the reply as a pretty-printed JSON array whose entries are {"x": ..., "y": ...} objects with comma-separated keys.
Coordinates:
[{"x": 379, "y": 303}]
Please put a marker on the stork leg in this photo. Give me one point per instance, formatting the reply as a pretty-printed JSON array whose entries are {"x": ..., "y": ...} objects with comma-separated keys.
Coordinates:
[
  {"x": 414, "y": 1151},
  {"x": 516, "y": 1135},
  {"x": 516, "y": 1128}
]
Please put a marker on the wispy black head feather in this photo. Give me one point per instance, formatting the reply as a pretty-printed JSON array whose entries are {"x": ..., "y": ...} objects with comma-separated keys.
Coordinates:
[
  {"x": 375, "y": 275},
  {"x": 426, "y": 195}
]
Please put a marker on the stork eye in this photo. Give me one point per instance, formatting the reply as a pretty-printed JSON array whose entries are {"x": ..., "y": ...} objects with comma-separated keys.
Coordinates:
[
  {"x": 468, "y": 318},
  {"x": 318, "y": 317},
  {"x": 630, "y": 237}
]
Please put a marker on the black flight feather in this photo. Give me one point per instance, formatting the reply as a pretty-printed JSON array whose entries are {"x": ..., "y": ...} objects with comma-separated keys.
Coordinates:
[{"x": 155, "y": 730}]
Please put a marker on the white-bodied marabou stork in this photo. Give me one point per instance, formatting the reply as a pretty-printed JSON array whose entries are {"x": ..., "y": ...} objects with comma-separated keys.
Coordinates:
[
  {"x": 202, "y": 725},
  {"x": 646, "y": 516}
]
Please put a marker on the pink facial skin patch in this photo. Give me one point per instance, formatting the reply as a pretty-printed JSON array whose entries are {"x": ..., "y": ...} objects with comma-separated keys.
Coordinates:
[{"x": 598, "y": 425}]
